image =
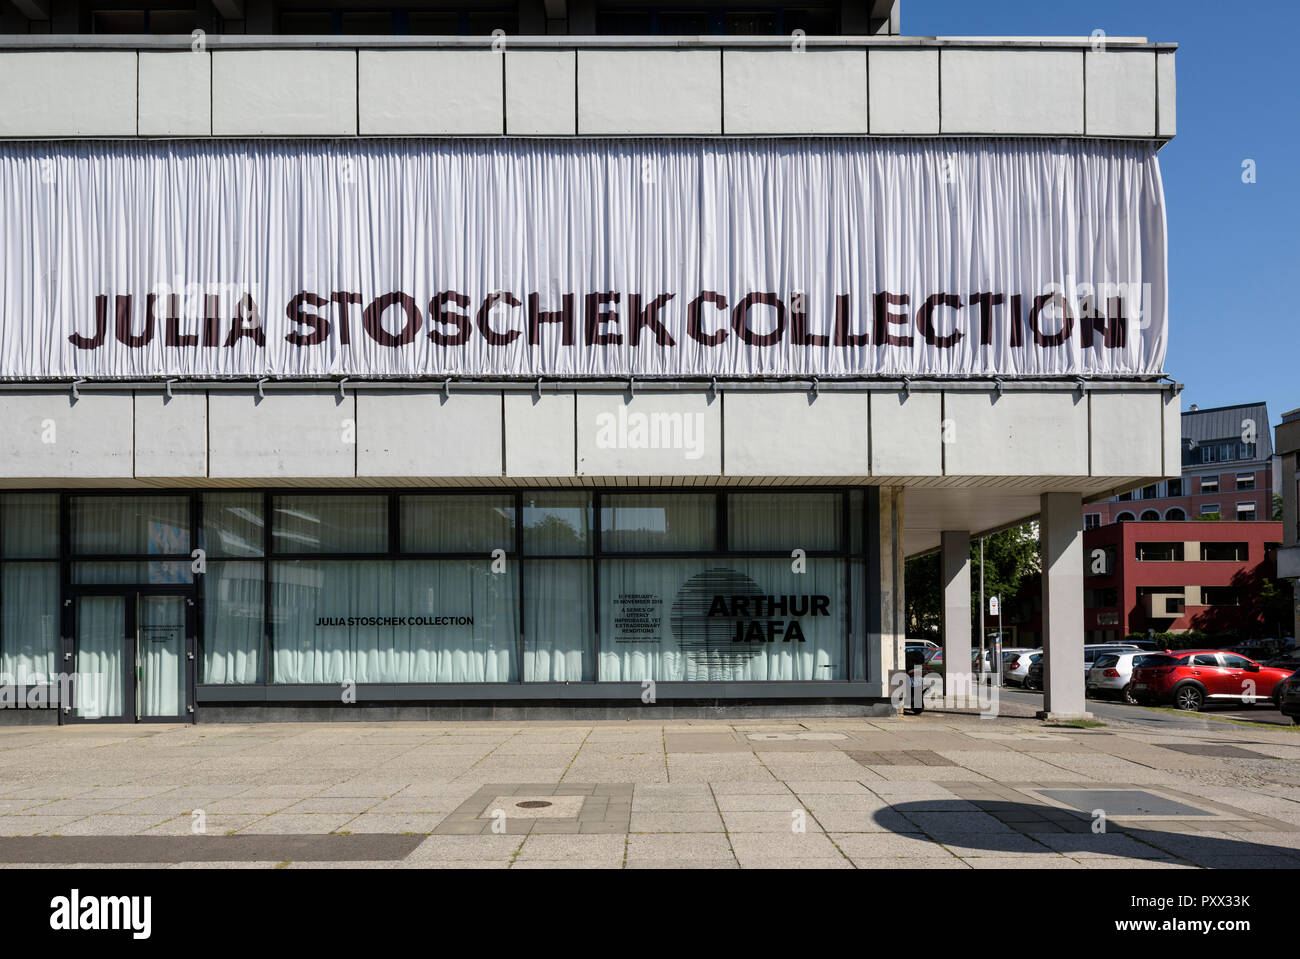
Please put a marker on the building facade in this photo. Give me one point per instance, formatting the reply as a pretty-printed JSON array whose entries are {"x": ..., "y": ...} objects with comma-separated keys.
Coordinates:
[
  {"x": 474, "y": 375},
  {"x": 1288, "y": 557},
  {"x": 1175, "y": 577},
  {"x": 1227, "y": 473}
]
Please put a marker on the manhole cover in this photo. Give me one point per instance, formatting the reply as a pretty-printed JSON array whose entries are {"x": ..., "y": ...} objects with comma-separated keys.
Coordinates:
[
  {"x": 1121, "y": 802},
  {"x": 533, "y": 806}
]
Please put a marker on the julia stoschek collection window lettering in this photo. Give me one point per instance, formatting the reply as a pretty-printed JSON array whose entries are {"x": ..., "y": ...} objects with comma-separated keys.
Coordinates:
[{"x": 354, "y": 621}]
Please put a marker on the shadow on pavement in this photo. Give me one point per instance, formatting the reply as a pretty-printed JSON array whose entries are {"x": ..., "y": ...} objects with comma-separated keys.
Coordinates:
[{"x": 1005, "y": 828}]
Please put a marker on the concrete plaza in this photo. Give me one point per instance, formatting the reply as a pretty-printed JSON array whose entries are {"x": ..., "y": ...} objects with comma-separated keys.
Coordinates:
[{"x": 942, "y": 790}]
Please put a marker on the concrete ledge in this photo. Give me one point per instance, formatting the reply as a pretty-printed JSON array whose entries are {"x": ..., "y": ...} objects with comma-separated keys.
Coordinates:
[{"x": 518, "y": 711}]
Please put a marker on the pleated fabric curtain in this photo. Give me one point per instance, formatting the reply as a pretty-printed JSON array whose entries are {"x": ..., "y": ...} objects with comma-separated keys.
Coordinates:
[{"x": 237, "y": 230}]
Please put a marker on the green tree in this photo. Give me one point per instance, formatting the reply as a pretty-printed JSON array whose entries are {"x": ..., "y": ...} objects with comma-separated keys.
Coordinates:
[{"x": 1011, "y": 566}]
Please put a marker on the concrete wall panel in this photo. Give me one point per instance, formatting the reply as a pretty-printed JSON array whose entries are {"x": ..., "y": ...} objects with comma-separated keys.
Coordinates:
[
  {"x": 1016, "y": 434},
  {"x": 795, "y": 434},
  {"x": 1126, "y": 434},
  {"x": 1001, "y": 92},
  {"x": 284, "y": 93},
  {"x": 539, "y": 434},
  {"x": 1121, "y": 93},
  {"x": 650, "y": 434},
  {"x": 175, "y": 94},
  {"x": 49, "y": 437},
  {"x": 412, "y": 434},
  {"x": 171, "y": 435},
  {"x": 286, "y": 435},
  {"x": 58, "y": 93},
  {"x": 651, "y": 92},
  {"x": 1167, "y": 100},
  {"x": 906, "y": 438},
  {"x": 904, "y": 92},
  {"x": 430, "y": 93},
  {"x": 541, "y": 93},
  {"x": 1173, "y": 435},
  {"x": 804, "y": 92}
]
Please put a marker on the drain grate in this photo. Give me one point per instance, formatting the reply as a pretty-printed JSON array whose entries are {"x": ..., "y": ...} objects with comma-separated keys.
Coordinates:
[{"x": 533, "y": 804}]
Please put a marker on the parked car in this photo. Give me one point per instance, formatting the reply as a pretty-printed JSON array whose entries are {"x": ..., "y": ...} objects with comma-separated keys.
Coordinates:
[
  {"x": 1112, "y": 674},
  {"x": 1034, "y": 673},
  {"x": 1015, "y": 665},
  {"x": 1289, "y": 698},
  {"x": 1191, "y": 678},
  {"x": 1093, "y": 650},
  {"x": 934, "y": 660},
  {"x": 922, "y": 644},
  {"x": 1288, "y": 661}
]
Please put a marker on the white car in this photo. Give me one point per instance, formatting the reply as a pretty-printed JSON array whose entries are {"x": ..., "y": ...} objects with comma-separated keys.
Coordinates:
[
  {"x": 1015, "y": 665},
  {"x": 1111, "y": 673}
]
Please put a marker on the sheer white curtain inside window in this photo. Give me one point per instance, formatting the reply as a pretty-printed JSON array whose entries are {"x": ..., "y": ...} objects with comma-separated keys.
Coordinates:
[
  {"x": 29, "y": 622},
  {"x": 460, "y": 622},
  {"x": 100, "y": 690}
]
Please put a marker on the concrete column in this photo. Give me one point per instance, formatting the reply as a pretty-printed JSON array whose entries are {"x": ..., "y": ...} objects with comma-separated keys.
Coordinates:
[
  {"x": 1061, "y": 529},
  {"x": 887, "y": 656},
  {"x": 955, "y": 569}
]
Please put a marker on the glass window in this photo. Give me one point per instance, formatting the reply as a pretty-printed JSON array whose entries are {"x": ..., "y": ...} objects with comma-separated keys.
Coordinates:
[
  {"x": 134, "y": 572},
  {"x": 433, "y": 23},
  {"x": 452, "y": 523},
  {"x": 130, "y": 525},
  {"x": 1205, "y": 659},
  {"x": 383, "y": 621},
  {"x": 559, "y": 621},
  {"x": 783, "y": 521},
  {"x": 557, "y": 523},
  {"x": 658, "y": 522},
  {"x": 29, "y": 622},
  {"x": 1159, "y": 552},
  {"x": 857, "y": 500},
  {"x": 1233, "y": 661},
  {"x": 1245, "y": 481},
  {"x": 1224, "y": 552},
  {"x": 233, "y": 613},
  {"x": 29, "y": 525},
  {"x": 233, "y": 524},
  {"x": 329, "y": 524},
  {"x": 700, "y": 619},
  {"x": 1209, "y": 484}
]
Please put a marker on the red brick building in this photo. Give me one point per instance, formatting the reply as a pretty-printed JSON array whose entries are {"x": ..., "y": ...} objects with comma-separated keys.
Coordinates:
[{"x": 1176, "y": 576}]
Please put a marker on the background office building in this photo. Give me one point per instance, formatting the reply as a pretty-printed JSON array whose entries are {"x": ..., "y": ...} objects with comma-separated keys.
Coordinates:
[{"x": 374, "y": 365}]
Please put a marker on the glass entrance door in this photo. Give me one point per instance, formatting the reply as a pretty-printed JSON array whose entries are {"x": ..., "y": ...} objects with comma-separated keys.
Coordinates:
[
  {"x": 160, "y": 657},
  {"x": 131, "y": 658}
]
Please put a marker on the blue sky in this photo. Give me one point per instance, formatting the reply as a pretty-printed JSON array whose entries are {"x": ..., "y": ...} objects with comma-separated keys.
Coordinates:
[{"x": 1234, "y": 249}]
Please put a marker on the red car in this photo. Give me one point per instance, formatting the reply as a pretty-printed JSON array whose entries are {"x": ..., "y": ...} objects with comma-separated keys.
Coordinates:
[{"x": 1190, "y": 678}]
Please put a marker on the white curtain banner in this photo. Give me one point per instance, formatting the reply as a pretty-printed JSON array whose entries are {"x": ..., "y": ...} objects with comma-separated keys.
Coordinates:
[{"x": 581, "y": 258}]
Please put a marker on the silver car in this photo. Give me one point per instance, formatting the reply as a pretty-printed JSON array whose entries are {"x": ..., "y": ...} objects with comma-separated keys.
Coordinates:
[
  {"x": 1015, "y": 665},
  {"x": 1111, "y": 674}
]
